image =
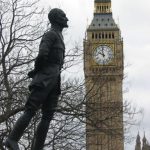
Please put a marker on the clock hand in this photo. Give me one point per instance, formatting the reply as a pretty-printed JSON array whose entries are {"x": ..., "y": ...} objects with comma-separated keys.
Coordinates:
[{"x": 103, "y": 52}]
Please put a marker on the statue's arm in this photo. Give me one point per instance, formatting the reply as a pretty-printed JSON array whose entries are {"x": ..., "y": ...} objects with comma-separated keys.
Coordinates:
[
  {"x": 46, "y": 44},
  {"x": 45, "y": 47}
]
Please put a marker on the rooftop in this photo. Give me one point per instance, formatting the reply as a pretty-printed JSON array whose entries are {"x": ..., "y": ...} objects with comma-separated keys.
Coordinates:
[{"x": 103, "y": 21}]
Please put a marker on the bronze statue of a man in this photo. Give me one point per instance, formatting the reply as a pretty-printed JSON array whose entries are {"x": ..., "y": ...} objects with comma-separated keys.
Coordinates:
[{"x": 45, "y": 86}]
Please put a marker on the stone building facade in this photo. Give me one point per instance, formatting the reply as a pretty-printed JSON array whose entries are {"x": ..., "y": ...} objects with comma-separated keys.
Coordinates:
[
  {"x": 103, "y": 68},
  {"x": 144, "y": 145}
]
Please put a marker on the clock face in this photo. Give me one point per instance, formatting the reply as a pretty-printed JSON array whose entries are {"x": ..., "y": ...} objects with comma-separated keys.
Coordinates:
[{"x": 103, "y": 54}]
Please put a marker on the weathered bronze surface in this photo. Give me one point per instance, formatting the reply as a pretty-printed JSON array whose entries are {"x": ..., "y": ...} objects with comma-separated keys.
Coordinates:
[{"x": 45, "y": 85}]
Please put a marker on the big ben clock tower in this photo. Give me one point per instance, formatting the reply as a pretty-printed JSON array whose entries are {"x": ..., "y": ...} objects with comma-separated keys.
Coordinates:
[{"x": 103, "y": 67}]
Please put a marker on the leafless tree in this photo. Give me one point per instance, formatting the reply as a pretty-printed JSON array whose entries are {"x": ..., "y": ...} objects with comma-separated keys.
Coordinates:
[
  {"x": 20, "y": 30},
  {"x": 21, "y": 27}
]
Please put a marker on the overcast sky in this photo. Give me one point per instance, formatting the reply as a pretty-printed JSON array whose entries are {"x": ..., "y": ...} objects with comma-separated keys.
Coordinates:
[{"x": 133, "y": 17}]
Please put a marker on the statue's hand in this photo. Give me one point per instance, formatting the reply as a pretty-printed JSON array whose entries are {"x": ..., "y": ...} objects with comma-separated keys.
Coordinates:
[
  {"x": 40, "y": 62},
  {"x": 31, "y": 74}
]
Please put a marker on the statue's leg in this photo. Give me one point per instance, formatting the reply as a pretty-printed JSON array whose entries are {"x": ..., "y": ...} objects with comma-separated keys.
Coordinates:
[
  {"x": 48, "y": 110},
  {"x": 33, "y": 103},
  {"x": 15, "y": 135}
]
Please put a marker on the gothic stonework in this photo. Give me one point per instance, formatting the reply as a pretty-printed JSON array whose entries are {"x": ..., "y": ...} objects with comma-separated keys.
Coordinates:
[
  {"x": 144, "y": 146},
  {"x": 103, "y": 67}
]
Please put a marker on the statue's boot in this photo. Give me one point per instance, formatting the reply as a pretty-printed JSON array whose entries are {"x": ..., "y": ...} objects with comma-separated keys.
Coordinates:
[
  {"x": 15, "y": 135},
  {"x": 40, "y": 135},
  {"x": 11, "y": 144}
]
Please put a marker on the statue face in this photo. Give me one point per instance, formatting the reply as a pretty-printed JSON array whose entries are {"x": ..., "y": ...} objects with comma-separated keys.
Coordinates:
[
  {"x": 61, "y": 19},
  {"x": 57, "y": 16}
]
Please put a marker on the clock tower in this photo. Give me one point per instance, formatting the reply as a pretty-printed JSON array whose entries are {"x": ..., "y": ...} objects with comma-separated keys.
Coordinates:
[{"x": 103, "y": 68}]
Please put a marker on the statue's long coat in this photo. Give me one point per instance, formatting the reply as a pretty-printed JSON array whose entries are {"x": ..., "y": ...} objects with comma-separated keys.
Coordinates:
[{"x": 49, "y": 61}]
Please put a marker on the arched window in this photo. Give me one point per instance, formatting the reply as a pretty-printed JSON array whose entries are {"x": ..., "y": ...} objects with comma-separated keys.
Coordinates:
[
  {"x": 95, "y": 35},
  {"x": 100, "y": 8},
  {"x": 92, "y": 35},
  {"x": 102, "y": 35},
  {"x": 106, "y": 36},
  {"x": 110, "y": 35},
  {"x": 113, "y": 36}
]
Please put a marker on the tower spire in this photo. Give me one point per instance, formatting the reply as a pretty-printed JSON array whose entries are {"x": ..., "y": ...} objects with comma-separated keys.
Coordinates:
[
  {"x": 144, "y": 139},
  {"x": 102, "y": 6},
  {"x": 102, "y": 47},
  {"x": 138, "y": 143}
]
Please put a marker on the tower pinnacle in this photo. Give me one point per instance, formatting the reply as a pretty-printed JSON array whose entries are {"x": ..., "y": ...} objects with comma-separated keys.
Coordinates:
[
  {"x": 102, "y": 6},
  {"x": 144, "y": 139},
  {"x": 138, "y": 143},
  {"x": 102, "y": 1}
]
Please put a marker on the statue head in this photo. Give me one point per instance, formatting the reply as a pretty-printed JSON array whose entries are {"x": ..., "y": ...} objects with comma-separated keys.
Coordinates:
[{"x": 57, "y": 17}]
